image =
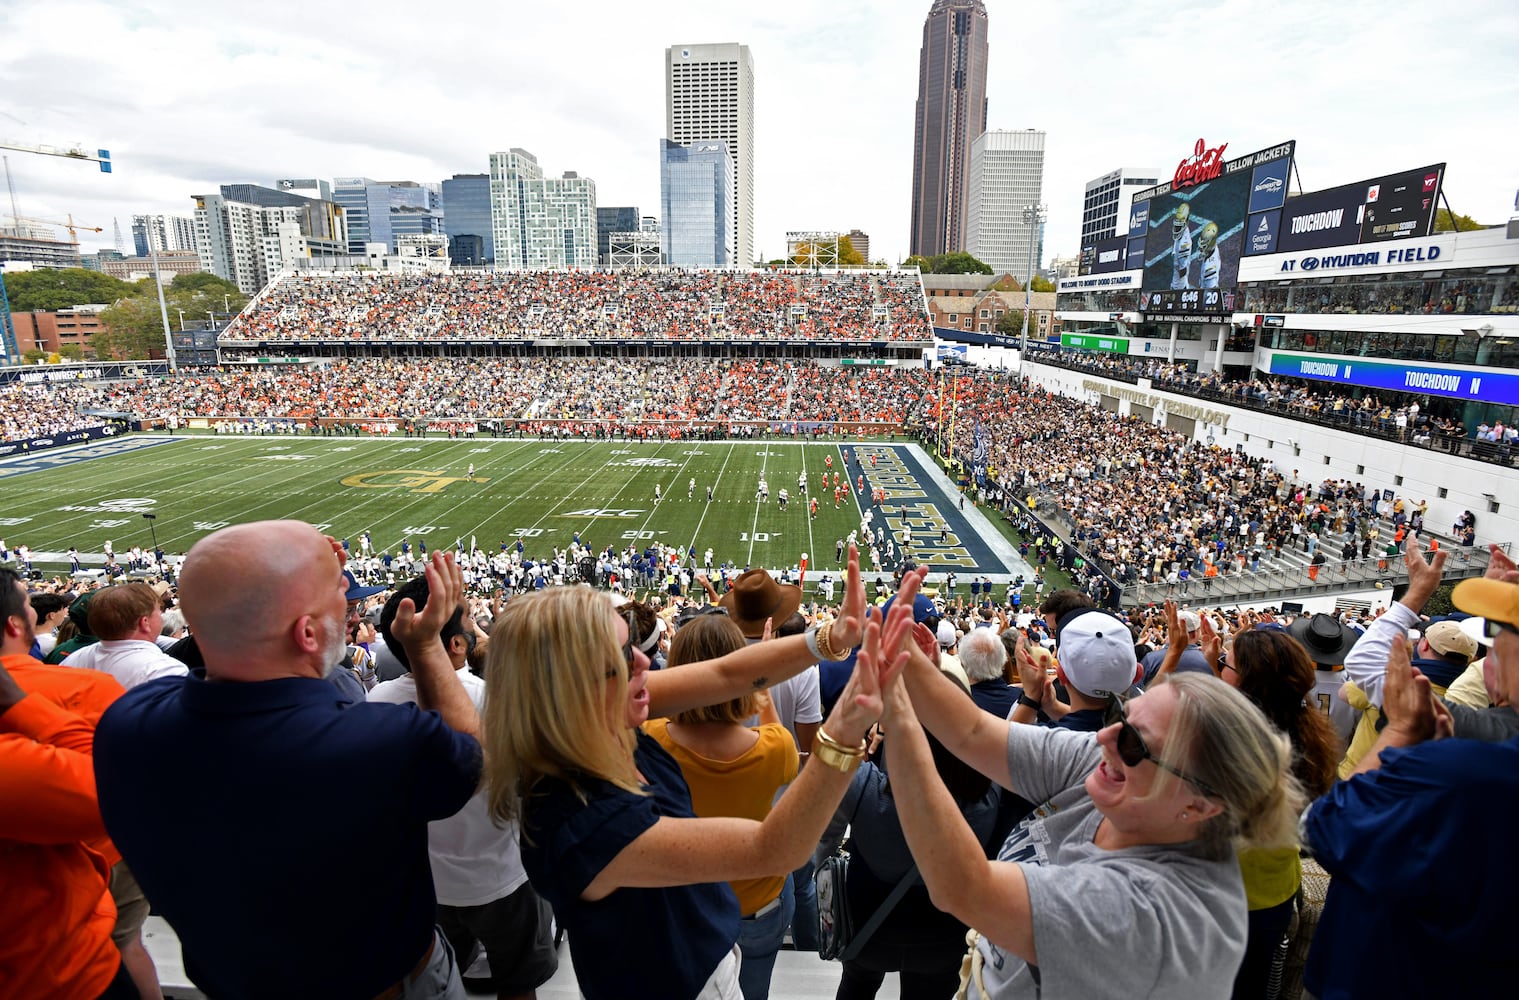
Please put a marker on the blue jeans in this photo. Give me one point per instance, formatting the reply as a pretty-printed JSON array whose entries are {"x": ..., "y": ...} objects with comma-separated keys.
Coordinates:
[
  {"x": 759, "y": 938},
  {"x": 804, "y": 922},
  {"x": 439, "y": 979}
]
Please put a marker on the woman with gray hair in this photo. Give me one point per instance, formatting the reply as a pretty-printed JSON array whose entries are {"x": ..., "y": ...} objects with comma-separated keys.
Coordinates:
[{"x": 1126, "y": 873}]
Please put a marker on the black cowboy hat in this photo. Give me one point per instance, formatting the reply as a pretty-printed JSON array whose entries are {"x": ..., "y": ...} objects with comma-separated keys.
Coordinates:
[{"x": 1326, "y": 638}]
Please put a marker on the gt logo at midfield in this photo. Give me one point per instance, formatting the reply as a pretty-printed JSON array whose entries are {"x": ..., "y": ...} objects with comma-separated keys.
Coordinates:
[{"x": 415, "y": 480}]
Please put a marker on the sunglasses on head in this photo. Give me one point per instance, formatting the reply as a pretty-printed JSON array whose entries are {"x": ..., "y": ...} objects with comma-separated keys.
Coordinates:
[{"x": 1133, "y": 750}]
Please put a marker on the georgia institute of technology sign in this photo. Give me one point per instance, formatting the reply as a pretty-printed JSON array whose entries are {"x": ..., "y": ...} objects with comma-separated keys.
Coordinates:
[{"x": 415, "y": 480}]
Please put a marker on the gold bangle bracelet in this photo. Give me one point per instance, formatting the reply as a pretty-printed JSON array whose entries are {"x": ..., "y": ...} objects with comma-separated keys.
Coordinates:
[
  {"x": 829, "y": 757},
  {"x": 825, "y": 648},
  {"x": 823, "y": 739}
]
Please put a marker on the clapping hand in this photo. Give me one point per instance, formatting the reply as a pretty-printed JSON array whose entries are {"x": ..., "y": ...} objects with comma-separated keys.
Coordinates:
[
  {"x": 1409, "y": 702},
  {"x": 445, "y": 588}
]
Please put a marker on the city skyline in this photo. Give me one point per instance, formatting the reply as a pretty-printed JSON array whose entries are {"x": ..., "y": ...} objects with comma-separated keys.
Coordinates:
[{"x": 833, "y": 113}]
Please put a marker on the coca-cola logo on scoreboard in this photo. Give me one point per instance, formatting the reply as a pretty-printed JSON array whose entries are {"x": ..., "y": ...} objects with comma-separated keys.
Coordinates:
[{"x": 1205, "y": 164}]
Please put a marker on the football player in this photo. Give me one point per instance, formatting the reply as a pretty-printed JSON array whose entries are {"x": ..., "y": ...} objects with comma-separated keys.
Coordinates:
[{"x": 1181, "y": 246}]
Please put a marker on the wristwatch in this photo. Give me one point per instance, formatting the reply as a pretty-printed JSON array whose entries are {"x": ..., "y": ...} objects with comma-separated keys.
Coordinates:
[{"x": 1028, "y": 702}]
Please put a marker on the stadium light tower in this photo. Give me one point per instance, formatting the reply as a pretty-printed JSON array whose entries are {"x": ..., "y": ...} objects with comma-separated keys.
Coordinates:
[{"x": 1033, "y": 217}]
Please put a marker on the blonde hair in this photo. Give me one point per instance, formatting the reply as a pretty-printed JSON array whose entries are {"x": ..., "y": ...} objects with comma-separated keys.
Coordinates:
[
  {"x": 546, "y": 696},
  {"x": 1221, "y": 738},
  {"x": 706, "y": 637}
]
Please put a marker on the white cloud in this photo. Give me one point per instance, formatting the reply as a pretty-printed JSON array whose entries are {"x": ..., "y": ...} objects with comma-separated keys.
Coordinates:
[{"x": 189, "y": 96}]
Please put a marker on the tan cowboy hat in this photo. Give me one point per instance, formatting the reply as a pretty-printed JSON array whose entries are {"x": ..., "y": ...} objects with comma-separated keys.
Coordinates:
[{"x": 754, "y": 597}]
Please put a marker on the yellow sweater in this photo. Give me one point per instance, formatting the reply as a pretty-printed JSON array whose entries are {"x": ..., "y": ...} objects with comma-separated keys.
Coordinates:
[{"x": 1271, "y": 876}]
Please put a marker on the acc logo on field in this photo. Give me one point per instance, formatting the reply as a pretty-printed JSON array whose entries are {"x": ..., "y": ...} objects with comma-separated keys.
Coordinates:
[
  {"x": 415, "y": 480},
  {"x": 128, "y": 504}
]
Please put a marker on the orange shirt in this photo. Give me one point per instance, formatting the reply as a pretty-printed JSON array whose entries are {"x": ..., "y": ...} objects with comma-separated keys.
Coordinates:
[{"x": 55, "y": 926}]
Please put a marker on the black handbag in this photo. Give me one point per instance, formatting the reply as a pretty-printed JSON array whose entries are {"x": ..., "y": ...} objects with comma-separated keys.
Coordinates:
[{"x": 836, "y": 932}]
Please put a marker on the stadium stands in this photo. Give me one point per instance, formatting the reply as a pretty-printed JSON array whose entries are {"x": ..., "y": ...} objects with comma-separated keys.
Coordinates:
[{"x": 587, "y": 305}]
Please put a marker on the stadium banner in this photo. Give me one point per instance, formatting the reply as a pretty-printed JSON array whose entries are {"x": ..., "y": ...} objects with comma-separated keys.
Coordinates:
[
  {"x": 1268, "y": 186},
  {"x": 1195, "y": 225},
  {"x": 1105, "y": 256},
  {"x": 1127, "y": 279},
  {"x": 36, "y": 444},
  {"x": 1484, "y": 385},
  {"x": 106, "y": 371},
  {"x": 1391, "y": 207},
  {"x": 1262, "y": 233},
  {"x": 983, "y": 339},
  {"x": 1088, "y": 342},
  {"x": 981, "y": 449}
]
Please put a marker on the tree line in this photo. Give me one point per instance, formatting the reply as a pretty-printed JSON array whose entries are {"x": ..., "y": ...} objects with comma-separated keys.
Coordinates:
[{"x": 132, "y": 325}]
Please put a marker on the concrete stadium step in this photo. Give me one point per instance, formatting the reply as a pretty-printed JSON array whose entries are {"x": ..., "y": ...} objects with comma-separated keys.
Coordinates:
[{"x": 798, "y": 975}]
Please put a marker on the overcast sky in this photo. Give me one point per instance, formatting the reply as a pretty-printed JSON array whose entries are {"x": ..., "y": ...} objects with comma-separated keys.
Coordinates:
[{"x": 188, "y": 96}]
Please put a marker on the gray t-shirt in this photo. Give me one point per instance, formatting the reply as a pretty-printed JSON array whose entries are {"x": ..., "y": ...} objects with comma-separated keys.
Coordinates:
[{"x": 1161, "y": 921}]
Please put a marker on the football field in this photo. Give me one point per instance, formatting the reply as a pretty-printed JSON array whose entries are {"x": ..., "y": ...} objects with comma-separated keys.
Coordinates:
[{"x": 541, "y": 492}]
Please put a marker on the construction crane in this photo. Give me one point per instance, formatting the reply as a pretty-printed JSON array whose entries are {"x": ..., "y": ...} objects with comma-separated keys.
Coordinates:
[
  {"x": 70, "y": 225},
  {"x": 75, "y": 152}
]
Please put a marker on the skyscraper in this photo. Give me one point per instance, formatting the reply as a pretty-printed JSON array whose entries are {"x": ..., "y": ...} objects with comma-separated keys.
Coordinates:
[
  {"x": 951, "y": 113},
  {"x": 613, "y": 219},
  {"x": 709, "y": 95},
  {"x": 695, "y": 192},
  {"x": 467, "y": 212},
  {"x": 1006, "y": 176},
  {"x": 379, "y": 211},
  {"x": 248, "y": 234},
  {"x": 162, "y": 233},
  {"x": 860, "y": 240},
  {"x": 539, "y": 221}
]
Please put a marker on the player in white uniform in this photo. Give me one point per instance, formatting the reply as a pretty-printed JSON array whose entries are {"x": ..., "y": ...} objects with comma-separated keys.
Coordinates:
[
  {"x": 1181, "y": 246},
  {"x": 1207, "y": 249}
]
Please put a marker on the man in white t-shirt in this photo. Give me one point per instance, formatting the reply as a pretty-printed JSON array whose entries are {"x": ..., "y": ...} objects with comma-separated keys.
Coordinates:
[
  {"x": 128, "y": 619},
  {"x": 483, "y": 894}
]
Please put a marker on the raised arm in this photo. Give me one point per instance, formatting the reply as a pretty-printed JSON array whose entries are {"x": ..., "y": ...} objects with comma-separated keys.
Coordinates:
[
  {"x": 438, "y": 685},
  {"x": 762, "y": 664},
  {"x": 683, "y": 851},
  {"x": 1366, "y": 663},
  {"x": 990, "y": 896},
  {"x": 975, "y": 736}
]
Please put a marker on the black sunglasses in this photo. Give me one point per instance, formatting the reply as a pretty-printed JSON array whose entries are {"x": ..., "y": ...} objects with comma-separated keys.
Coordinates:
[
  {"x": 1491, "y": 628},
  {"x": 628, "y": 647},
  {"x": 1133, "y": 750}
]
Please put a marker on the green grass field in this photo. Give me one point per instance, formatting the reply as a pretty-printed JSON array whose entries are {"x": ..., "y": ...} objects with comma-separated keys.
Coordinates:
[{"x": 407, "y": 489}]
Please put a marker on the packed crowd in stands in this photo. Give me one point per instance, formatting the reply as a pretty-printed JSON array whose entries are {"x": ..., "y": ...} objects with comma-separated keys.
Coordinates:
[
  {"x": 28, "y": 412},
  {"x": 1148, "y": 505},
  {"x": 588, "y": 305},
  {"x": 1441, "y": 296},
  {"x": 589, "y": 394},
  {"x": 1400, "y": 416},
  {"x": 1131, "y": 798}
]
